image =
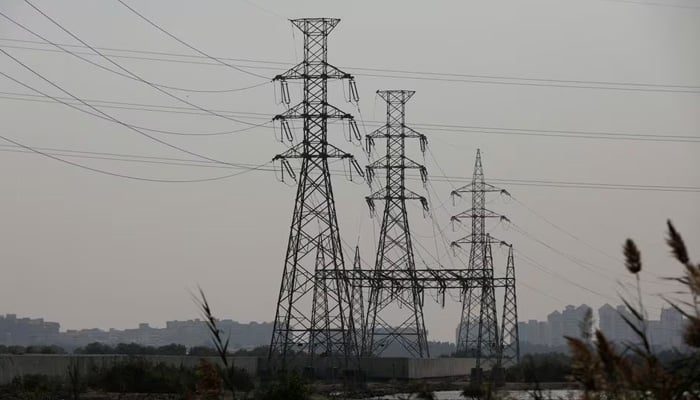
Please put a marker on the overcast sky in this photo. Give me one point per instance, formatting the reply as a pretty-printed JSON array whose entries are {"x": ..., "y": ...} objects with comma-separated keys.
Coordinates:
[{"x": 91, "y": 250}]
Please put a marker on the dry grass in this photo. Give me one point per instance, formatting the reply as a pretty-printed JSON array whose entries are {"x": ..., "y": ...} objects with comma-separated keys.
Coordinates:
[{"x": 634, "y": 372}]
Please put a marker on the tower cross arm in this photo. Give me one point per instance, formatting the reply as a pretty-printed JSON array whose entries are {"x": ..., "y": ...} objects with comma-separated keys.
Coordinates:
[
  {"x": 471, "y": 188},
  {"x": 397, "y": 162},
  {"x": 412, "y": 133},
  {"x": 406, "y": 194},
  {"x": 298, "y": 151},
  {"x": 384, "y": 132},
  {"x": 478, "y": 213},
  {"x": 475, "y": 239},
  {"x": 311, "y": 70},
  {"x": 298, "y": 112}
]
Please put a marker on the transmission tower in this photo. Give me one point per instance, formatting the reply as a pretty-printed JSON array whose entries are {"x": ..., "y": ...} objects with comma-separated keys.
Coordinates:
[
  {"x": 314, "y": 315},
  {"x": 510, "y": 341},
  {"x": 478, "y": 329},
  {"x": 358, "y": 302},
  {"x": 391, "y": 301}
]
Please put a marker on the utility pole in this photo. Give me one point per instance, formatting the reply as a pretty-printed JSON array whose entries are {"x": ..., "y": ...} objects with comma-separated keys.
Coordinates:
[
  {"x": 478, "y": 328},
  {"x": 395, "y": 309},
  {"x": 314, "y": 314}
]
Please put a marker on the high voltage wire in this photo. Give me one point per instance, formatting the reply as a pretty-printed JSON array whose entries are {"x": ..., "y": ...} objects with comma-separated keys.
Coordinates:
[
  {"x": 645, "y": 3},
  {"x": 110, "y": 156},
  {"x": 534, "y": 263},
  {"x": 126, "y": 70},
  {"x": 408, "y": 74},
  {"x": 100, "y": 66},
  {"x": 126, "y": 106},
  {"x": 586, "y": 265},
  {"x": 101, "y": 113},
  {"x": 260, "y": 167},
  {"x": 566, "y": 232},
  {"x": 124, "y": 176},
  {"x": 153, "y": 24},
  {"x": 583, "y": 264},
  {"x": 555, "y": 132},
  {"x": 575, "y": 184},
  {"x": 137, "y": 106},
  {"x": 433, "y": 127}
]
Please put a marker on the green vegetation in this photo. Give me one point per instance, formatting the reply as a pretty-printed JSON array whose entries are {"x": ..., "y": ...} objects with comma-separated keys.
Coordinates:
[
  {"x": 287, "y": 387},
  {"x": 140, "y": 376},
  {"x": 132, "y": 376},
  {"x": 548, "y": 367},
  {"x": 33, "y": 387},
  {"x": 135, "y": 349},
  {"x": 17, "y": 350},
  {"x": 132, "y": 349}
]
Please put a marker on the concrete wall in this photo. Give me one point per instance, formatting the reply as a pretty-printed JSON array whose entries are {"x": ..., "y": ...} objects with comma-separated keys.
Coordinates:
[
  {"x": 416, "y": 368},
  {"x": 57, "y": 365},
  {"x": 386, "y": 368},
  {"x": 439, "y": 367}
]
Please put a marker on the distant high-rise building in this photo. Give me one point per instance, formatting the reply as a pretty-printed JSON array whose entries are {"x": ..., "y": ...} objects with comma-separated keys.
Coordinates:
[
  {"x": 556, "y": 329},
  {"x": 663, "y": 333},
  {"x": 671, "y": 325}
]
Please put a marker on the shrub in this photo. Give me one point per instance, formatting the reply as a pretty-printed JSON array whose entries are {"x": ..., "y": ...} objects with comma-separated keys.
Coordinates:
[
  {"x": 33, "y": 386},
  {"x": 141, "y": 376}
]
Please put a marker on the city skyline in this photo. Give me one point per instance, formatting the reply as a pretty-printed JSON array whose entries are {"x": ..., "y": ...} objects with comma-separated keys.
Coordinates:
[{"x": 665, "y": 332}]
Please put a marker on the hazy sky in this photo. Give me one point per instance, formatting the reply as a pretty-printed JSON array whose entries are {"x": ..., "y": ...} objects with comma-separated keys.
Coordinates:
[{"x": 91, "y": 250}]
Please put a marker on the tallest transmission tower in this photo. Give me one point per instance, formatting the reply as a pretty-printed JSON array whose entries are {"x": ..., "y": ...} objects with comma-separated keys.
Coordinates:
[{"x": 313, "y": 313}]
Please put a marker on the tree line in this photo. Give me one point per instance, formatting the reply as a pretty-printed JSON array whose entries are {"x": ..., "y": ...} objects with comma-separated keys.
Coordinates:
[{"x": 135, "y": 349}]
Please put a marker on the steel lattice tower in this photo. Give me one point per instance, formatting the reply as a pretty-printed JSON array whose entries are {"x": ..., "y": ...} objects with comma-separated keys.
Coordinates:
[
  {"x": 395, "y": 249},
  {"x": 478, "y": 329},
  {"x": 314, "y": 315},
  {"x": 510, "y": 341},
  {"x": 358, "y": 303}
]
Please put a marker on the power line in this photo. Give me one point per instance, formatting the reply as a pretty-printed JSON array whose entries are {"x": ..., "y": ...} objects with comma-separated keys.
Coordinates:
[
  {"x": 275, "y": 64},
  {"x": 118, "y": 175},
  {"x": 161, "y": 90},
  {"x": 139, "y": 107},
  {"x": 583, "y": 264},
  {"x": 189, "y": 46},
  {"x": 102, "y": 113},
  {"x": 572, "y": 86},
  {"x": 579, "y": 185},
  {"x": 64, "y": 48},
  {"x": 557, "y": 132},
  {"x": 541, "y": 80},
  {"x": 213, "y": 164},
  {"x": 549, "y": 271},
  {"x": 560, "y": 229},
  {"x": 587, "y": 185},
  {"x": 265, "y": 10},
  {"x": 437, "y": 128},
  {"x": 428, "y": 75},
  {"x": 645, "y": 3}
]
